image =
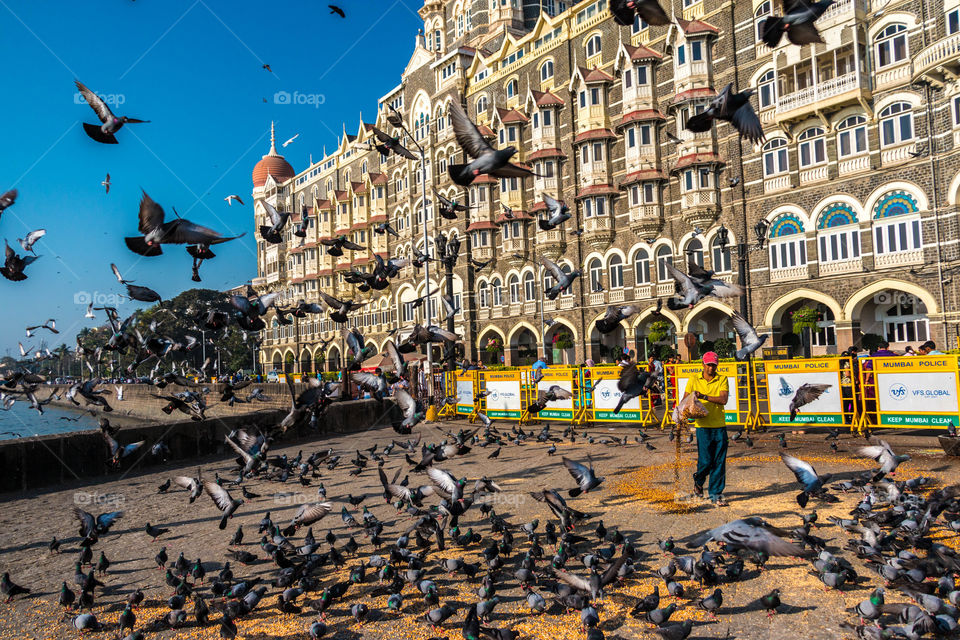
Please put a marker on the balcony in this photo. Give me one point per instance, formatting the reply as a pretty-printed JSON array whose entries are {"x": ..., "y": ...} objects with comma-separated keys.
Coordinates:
[
  {"x": 898, "y": 258},
  {"x": 592, "y": 117},
  {"x": 646, "y": 219},
  {"x": 515, "y": 247},
  {"x": 551, "y": 243},
  {"x": 898, "y": 154},
  {"x": 593, "y": 173},
  {"x": 822, "y": 95},
  {"x": 853, "y": 265},
  {"x": 693, "y": 75},
  {"x": 666, "y": 288},
  {"x": 699, "y": 207},
  {"x": 643, "y": 292},
  {"x": 892, "y": 76},
  {"x": 854, "y": 165},
  {"x": 789, "y": 273},
  {"x": 543, "y": 137},
  {"x": 549, "y": 305},
  {"x": 598, "y": 232},
  {"x": 617, "y": 295},
  {"x": 813, "y": 174},
  {"x": 597, "y": 299},
  {"x": 567, "y": 302},
  {"x": 550, "y": 184},
  {"x": 841, "y": 11},
  {"x": 529, "y": 308},
  {"x": 776, "y": 183},
  {"x": 939, "y": 62},
  {"x": 482, "y": 253}
]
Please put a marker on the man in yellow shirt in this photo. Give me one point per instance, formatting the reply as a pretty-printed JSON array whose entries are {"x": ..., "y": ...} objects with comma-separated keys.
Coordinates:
[{"x": 712, "y": 390}]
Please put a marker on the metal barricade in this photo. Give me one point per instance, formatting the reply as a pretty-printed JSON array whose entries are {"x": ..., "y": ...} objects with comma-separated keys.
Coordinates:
[
  {"x": 740, "y": 407},
  {"x": 603, "y": 395},
  {"x": 568, "y": 379},
  {"x": 799, "y": 392},
  {"x": 914, "y": 392}
]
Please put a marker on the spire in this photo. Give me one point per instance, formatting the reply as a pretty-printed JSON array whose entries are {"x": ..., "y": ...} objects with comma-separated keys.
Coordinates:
[{"x": 273, "y": 142}]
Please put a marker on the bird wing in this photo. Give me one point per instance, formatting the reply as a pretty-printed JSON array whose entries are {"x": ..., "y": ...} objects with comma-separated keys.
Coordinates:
[
  {"x": 745, "y": 121},
  {"x": 272, "y": 212},
  {"x": 804, "y": 471},
  {"x": 467, "y": 134},
  {"x": 574, "y": 581},
  {"x": 406, "y": 402},
  {"x": 151, "y": 214},
  {"x": 240, "y": 452},
  {"x": 310, "y": 513},
  {"x": 395, "y": 356},
  {"x": 686, "y": 282},
  {"x": 99, "y": 106},
  {"x": 330, "y": 300},
  {"x": 697, "y": 272},
  {"x": 218, "y": 494},
  {"x": 368, "y": 380},
  {"x": 551, "y": 203},
  {"x": 748, "y": 335},
  {"x": 807, "y": 393},
  {"x": 443, "y": 479},
  {"x": 577, "y": 470},
  {"x": 184, "y": 481},
  {"x": 723, "y": 289},
  {"x": 629, "y": 377},
  {"x": 560, "y": 393},
  {"x": 116, "y": 272},
  {"x": 550, "y": 265},
  {"x": 86, "y": 520}
]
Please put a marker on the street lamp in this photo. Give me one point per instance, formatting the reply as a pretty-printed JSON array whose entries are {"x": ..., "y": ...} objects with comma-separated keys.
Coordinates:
[
  {"x": 448, "y": 250},
  {"x": 396, "y": 120}
]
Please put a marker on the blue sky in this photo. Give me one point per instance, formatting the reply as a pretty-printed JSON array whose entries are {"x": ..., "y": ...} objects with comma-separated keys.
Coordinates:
[{"x": 193, "y": 68}]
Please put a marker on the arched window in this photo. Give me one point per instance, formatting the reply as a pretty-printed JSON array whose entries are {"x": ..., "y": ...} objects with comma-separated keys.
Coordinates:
[
  {"x": 529, "y": 288},
  {"x": 813, "y": 147},
  {"x": 346, "y": 177},
  {"x": 514, "y": 289},
  {"x": 838, "y": 236},
  {"x": 720, "y": 256},
  {"x": 906, "y": 322},
  {"x": 759, "y": 15},
  {"x": 593, "y": 45},
  {"x": 496, "y": 288},
  {"x": 363, "y": 168},
  {"x": 767, "y": 88},
  {"x": 483, "y": 293},
  {"x": 664, "y": 257},
  {"x": 481, "y": 105},
  {"x": 546, "y": 71},
  {"x": 615, "y": 268},
  {"x": 436, "y": 39},
  {"x": 896, "y": 226},
  {"x": 694, "y": 252},
  {"x": 329, "y": 185},
  {"x": 441, "y": 120},
  {"x": 641, "y": 267},
  {"x": 891, "y": 45},
  {"x": 775, "y": 157},
  {"x": 595, "y": 270},
  {"x": 896, "y": 124},
  {"x": 422, "y": 126},
  {"x": 852, "y": 136},
  {"x": 788, "y": 246},
  {"x": 512, "y": 89}
]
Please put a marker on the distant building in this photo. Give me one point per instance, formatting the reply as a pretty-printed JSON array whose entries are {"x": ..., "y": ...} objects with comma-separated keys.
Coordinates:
[{"x": 855, "y": 189}]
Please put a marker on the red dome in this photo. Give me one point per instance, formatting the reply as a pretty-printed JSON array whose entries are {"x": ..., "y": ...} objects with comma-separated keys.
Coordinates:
[{"x": 272, "y": 164}]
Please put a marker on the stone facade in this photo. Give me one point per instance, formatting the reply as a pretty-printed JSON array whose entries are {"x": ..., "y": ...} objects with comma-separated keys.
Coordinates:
[{"x": 855, "y": 188}]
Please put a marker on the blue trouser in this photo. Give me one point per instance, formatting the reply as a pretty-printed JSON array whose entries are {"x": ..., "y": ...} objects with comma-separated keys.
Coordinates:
[{"x": 712, "y": 459}]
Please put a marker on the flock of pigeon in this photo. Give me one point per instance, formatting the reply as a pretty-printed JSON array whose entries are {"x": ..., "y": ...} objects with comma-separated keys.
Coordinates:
[{"x": 447, "y": 533}]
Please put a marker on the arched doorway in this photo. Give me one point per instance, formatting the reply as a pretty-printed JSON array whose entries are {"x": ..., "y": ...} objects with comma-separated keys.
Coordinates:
[
  {"x": 333, "y": 358},
  {"x": 306, "y": 362},
  {"x": 819, "y": 341},
  {"x": 561, "y": 344},
  {"x": 289, "y": 362},
  {"x": 277, "y": 362},
  {"x": 320, "y": 361},
  {"x": 523, "y": 348},
  {"x": 655, "y": 335},
  {"x": 608, "y": 347},
  {"x": 491, "y": 347},
  {"x": 714, "y": 330}
]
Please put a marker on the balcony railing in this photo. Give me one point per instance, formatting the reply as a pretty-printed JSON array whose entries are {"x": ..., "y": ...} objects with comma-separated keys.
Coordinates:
[
  {"x": 813, "y": 174},
  {"x": 854, "y": 165},
  {"x": 596, "y": 224},
  {"x": 776, "y": 183},
  {"x": 840, "y": 11},
  {"x": 643, "y": 292},
  {"x": 699, "y": 198},
  {"x": 598, "y": 298},
  {"x": 898, "y": 258},
  {"x": 854, "y": 265},
  {"x": 823, "y": 90},
  {"x": 789, "y": 273},
  {"x": 937, "y": 55},
  {"x": 665, "y": 289}
]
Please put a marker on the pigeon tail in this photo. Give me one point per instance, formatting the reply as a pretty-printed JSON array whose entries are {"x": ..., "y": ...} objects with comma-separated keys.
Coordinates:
[
  {"x": 139, "y": 246},
  {"x": 460, "y": 174},
  {"x": 95, "y": 132}
]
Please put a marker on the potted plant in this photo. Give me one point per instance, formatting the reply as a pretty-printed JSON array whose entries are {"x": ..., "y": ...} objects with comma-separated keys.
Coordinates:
[
  {"x": 562, "y": 343},
  {"x": 804, "y": 322}
]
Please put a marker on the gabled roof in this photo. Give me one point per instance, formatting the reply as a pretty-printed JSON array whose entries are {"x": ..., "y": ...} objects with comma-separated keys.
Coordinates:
[
  {"x": 695, "y": 27},
  {"x": 508, "y": 116}
]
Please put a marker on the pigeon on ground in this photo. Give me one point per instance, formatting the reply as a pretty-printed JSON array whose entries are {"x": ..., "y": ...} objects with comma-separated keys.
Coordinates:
[{"x": 813, "y": 484}]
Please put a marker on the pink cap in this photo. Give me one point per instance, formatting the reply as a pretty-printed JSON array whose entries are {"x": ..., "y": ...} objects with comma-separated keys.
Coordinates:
[{"x": 710, "y": 358}]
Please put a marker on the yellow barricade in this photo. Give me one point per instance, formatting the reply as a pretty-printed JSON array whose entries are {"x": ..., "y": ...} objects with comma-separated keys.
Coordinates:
[
  {"x": 739, "y": 410},
  {"x": 914, "y": 391},
  {"x": 464, "y": 386},
  {"x": 818, "y": 391},
  {"x": 568, "y": 379},
  {"x": 602, "y": 395},
  {"x": 505, "y": 399}
]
